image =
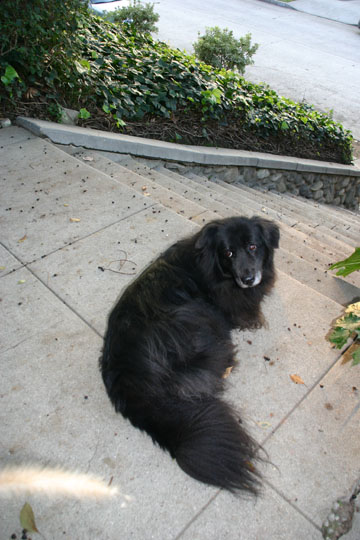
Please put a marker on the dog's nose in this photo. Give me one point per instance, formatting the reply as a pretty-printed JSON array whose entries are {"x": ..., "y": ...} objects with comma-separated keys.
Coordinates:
[{"x": 248, "y": 280}]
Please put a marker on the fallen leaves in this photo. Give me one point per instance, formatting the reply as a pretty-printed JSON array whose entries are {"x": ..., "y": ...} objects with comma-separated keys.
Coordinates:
[
  {"x": 31, "y": 93},
  {"x": 22, "y": 239},
  {"x": 27, "y": 518},
  {"x": 296, "y": 379},
  {"x": 227, "y": 372},
  {"x": 264, "y": 425}
]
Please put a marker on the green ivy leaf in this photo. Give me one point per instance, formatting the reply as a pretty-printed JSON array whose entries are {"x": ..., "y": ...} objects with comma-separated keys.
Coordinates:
[
  {"x": 346, "y": 327},
  {"x": 82, "y": 66},
  {"x": 339, "y": 337},
  {"x": 348, "y": 265},
  {"x": 84, "y": 114},
  {"x": 10, "y": 75}
]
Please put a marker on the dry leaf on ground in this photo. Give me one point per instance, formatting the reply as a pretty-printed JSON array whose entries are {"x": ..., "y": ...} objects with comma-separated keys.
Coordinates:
[
  {"x": 296, "y": 379},
  {"x": 27, "y": 518}
]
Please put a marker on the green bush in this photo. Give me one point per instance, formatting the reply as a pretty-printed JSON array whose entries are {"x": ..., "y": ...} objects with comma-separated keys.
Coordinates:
[
  {"x": 59, "y": 54},
  {"x": 347, "y": 328},
  {"x": 141, "y": 17},
  {"x": 220, "y": 49},
  {"x": 40, "y": 41}
]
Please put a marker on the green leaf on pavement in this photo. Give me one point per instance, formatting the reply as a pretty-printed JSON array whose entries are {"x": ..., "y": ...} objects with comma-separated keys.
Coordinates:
[
  {"x": 27, "y": 518},
  {"x": 348, "y": 265}
]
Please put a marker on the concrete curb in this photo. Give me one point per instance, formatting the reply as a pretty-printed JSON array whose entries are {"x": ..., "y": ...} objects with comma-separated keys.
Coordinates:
[
  {"x": 321, "y": 15},
  {"x": 278, "y": 3},
  {"x": 200, "y": 155}
]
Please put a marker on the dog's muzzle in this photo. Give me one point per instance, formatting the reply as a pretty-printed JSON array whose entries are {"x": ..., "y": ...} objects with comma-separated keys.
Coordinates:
[{"x": 250, "y": 280}]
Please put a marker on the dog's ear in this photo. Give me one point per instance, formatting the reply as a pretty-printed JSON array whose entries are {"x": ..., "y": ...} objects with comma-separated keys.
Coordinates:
[
  {"x": 270, "y": 232},
  {"x": 207, "y": 235}
]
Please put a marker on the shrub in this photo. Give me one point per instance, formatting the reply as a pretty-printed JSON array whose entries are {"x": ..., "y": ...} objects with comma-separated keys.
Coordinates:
[
  {"x": 61, "y": 55},
  {"x": 39, "y": 40},
  {"x": 141, "y": 17},
  {"x": 220, "y": 49},
  {"x": 347, "y": 328}
]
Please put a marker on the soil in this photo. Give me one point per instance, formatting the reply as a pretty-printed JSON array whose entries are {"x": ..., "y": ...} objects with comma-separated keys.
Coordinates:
[{"x": 186, "y": 127}]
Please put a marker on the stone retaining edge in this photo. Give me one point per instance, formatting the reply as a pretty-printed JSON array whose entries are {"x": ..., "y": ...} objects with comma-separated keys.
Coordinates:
[{"x": 340, "y": 184}]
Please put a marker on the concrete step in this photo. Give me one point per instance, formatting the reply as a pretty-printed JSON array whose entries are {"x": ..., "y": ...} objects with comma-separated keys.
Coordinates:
[
  {"x": 223, "y": 195},
  {"x": 345, "y": 215},
  {"x": 181, "y": 197},
  {"x": 342, "y": 246},
  {"x": 335, "y": 224},
  {"x": 310, "y": 218},
  {"x": 340, "y": 218},
  {"x": 342, "y": 214},
  {"x": 169, "y": 199},
  {"x": 311, "y": 250},
  {"x": 293, "y": 241}
]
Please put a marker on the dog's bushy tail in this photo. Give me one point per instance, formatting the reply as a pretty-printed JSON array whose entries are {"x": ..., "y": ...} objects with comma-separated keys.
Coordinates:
[{"x": 214, "y": 448}]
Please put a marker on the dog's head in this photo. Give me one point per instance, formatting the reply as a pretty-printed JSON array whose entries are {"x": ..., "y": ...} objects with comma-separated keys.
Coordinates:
[{"x": 239, "y": 248}]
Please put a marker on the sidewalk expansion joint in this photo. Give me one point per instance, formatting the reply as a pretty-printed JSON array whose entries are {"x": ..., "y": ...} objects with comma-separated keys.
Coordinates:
[
  {"x": 197, "y": 515},
  {"x": 306, "y": 395},
  {"x": 291, "y": 503}
]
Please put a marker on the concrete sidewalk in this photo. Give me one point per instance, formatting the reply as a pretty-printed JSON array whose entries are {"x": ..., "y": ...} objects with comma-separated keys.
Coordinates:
[
  {"x": 71, "y": 238},
  {"x": 345, "y": 11}
]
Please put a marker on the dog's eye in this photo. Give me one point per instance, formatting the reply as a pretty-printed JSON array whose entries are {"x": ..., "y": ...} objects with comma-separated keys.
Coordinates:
[
  {"x": 228, "y": 253},
  {"x": 252, "y": 247}
]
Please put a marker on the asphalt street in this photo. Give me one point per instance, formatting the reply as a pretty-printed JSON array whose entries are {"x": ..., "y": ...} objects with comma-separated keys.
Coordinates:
[{"x": 301, "y": 56}]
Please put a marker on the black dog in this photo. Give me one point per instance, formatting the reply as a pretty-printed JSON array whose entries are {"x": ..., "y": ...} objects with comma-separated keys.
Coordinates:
[{"x": 168, "y": 345}]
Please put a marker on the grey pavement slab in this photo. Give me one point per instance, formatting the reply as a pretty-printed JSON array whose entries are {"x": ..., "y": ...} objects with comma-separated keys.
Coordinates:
[
  {"x": 17, "y": 291},
  {"x": 8, "y": 262},
  {"x": 54, "y": 199},
  {"x": 144, "y": 184},
  {"x": 90, "y": 274},
  {"x": 14, "y": 134},
  {"x": 354, "y": 533},
  {"x": 51, "y": 379},
  {"x": 270, "y": 517},
  {"x": 292, "y": 343},
  {"x": 315, "y": 452},
  {"x": 54, "y": 412}
]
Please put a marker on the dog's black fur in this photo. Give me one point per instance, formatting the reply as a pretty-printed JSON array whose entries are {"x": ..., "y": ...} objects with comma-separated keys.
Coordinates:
[{"x": 168, "y": 345}]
